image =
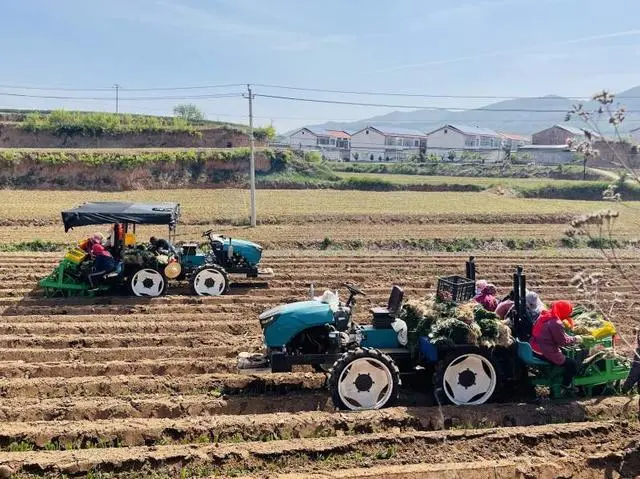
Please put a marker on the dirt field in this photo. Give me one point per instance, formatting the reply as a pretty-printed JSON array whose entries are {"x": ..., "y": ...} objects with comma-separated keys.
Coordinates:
[
  {"x": 299, "y": 218},
  {"x": 148, "y": 388}
]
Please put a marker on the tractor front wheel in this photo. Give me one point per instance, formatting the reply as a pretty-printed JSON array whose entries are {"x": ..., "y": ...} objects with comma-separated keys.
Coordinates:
[
  {"x": 466, "y": 379},
  {"x": 209, "y": 281},
  {"x": 148, "y": 282},
  {"x": 364, "y": 379}
]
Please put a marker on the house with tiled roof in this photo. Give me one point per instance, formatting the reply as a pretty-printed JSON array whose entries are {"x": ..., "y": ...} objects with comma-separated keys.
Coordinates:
[
  {"x": 465, "y": 138},
  {"x": 512, "y": 141},
  {"x": 559, "y": 135},
  {"x": 383, "y": 143},
  {"x": 331, "y": 144}
]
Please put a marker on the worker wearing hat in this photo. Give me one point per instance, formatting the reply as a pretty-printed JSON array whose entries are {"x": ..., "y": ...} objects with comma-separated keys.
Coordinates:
[{"x": 548, "y": 337}]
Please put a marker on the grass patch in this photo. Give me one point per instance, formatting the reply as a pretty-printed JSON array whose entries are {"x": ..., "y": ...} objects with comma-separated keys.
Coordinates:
[
  {"x": 34, "y": 246},
  {"x": 495, "y": 170}
]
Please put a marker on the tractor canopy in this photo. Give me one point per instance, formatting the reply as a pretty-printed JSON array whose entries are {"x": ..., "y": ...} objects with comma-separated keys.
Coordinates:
[{"x": 107, "y": 212}]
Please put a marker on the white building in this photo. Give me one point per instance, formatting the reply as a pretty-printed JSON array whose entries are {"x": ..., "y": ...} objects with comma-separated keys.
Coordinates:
[
  {"x": 377, "y": 143},
  {"x": 512, "y": 142},
  {"x": 332, "y": 144},
  {"x": 465, "y": 138}
]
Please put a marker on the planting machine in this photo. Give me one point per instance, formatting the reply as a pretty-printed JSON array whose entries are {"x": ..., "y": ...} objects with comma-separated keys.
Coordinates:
[
  {"x": 142, "y": 269},
  {"x": 366, "y": 361}
]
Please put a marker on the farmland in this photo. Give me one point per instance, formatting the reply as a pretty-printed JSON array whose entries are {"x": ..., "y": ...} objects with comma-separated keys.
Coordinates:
[
  {"x": 295, "y": 218},
  {"x": 134, "y": 388},
  {"x": 141, "y": 387}
]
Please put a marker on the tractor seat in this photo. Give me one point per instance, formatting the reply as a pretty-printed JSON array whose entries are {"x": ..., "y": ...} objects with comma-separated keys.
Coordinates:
[
  {"x": 525, "y": 353},
  {"x": 384, "y": 316}
]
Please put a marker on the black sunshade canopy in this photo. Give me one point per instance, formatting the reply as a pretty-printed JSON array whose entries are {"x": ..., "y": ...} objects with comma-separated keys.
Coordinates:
[{"x": 107, "y": 212}]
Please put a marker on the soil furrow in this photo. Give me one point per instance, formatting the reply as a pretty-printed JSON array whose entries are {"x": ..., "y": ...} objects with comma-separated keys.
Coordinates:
[
  {"x": 183, "y": 384},
  {"x": 129, "y": 431},
  {"x": 606, "y": 440}
]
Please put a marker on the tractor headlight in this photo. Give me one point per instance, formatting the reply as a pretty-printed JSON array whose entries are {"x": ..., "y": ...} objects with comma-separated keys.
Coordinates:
[
  {"x": 267, "y": 320},
  {"x": 269, "y": 316}
]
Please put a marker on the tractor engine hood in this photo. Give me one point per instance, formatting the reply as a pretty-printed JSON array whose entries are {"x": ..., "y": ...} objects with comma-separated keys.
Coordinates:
[
  {"x": 283, "y": 323},
  {"x": 251, "y": 252}
]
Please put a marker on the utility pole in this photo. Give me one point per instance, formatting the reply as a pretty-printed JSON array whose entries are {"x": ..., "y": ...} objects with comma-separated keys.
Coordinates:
[
  {"x": 252, "y": 161},
  {"x": 117, "y": 87}
]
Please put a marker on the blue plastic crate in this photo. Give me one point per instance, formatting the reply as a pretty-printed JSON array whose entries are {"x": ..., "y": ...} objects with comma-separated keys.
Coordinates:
[{"x": 428, "y": 351}]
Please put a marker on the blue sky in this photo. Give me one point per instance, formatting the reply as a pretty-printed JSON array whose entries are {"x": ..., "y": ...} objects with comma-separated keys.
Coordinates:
[{"x": 484, "y": 47}]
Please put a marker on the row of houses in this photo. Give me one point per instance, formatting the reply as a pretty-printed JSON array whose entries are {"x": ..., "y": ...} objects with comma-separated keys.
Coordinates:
[{"x": 381, "y": 143}]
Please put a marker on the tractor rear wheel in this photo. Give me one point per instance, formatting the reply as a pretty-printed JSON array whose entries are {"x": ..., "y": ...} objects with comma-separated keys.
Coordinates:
[
  {"x": 209, "y": 280},
  {"x": 364, "y": 379},
  {"x": 467, "y": 379},
  {"x": 148, "y": 282}
]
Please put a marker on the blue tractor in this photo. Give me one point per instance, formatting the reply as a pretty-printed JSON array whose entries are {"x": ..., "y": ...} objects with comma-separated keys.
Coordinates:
[
  {"x": 365, "y": 362},
  {"x": 145, "y": 269},
  {"x": 208, "y": 271}
]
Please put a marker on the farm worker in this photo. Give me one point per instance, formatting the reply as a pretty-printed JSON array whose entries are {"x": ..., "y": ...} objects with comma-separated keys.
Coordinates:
[
  {"x": 88, "y": 243},
  {"x": 158, "y": 244},
  {"x": 548, "y": 336},
  {"x": 103, "y": 263},
  {"x": 503, "y": 309},
  {"x": 534, "y": 305},
  {"x": 487, "y": 298},
  {"x": 480, "y": 285}
]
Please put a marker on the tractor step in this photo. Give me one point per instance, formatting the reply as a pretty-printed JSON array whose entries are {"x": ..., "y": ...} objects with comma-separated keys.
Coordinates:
[
  {"x": 253, "y": 363},
  {"x": 265, "y": 272}
]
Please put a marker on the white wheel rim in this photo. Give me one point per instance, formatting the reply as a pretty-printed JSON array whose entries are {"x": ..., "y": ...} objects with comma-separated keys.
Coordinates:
[
  {"x": 209, "y": 282},
  {"x": 469, "y": 379},
  {"x": 354, "y": 376},
  {"x": 147, "y": 282}
]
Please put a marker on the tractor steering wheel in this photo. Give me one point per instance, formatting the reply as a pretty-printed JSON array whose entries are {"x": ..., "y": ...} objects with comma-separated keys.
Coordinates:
[
  {"x": 207, "y": 233},
  {"x": 353, "y": 290}
]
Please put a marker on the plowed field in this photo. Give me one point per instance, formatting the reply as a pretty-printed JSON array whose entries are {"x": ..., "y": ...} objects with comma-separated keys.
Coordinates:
[{"x": 118, "y": 386}]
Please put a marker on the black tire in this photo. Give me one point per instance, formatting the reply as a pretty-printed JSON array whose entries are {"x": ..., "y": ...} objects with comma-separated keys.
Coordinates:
[
  {"x": 216, "y": 275},
  {"x": 368, "y": 361},
  {"x": 463, "y": 367},
  {"x": 137, "y": 283}
]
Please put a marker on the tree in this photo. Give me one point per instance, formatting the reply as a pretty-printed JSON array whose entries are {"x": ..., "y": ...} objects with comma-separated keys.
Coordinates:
[
  {"x": 266, "y": 133},
  {"x": 189, "y": 112}
]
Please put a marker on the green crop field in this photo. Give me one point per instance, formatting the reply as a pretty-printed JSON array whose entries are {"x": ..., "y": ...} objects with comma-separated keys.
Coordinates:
[{"x": 463, "y": 180}]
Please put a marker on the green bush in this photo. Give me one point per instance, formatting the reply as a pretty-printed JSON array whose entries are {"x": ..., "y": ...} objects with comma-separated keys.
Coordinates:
[
  {"x": 93, "y": 124},
  {"x": 266, "y": 133}
]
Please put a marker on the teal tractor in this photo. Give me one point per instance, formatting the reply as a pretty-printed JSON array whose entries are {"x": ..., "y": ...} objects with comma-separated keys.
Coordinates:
[
  {"x": 144, "y": 269},
  {"x": 366, "y": 362},
  {"x": 208, "y": 271}
]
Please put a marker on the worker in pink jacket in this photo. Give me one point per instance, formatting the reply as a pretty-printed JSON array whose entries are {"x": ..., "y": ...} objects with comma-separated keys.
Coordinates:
[
  {"x": 487, "y": 298},
  {"x": 548, "y": 337}
]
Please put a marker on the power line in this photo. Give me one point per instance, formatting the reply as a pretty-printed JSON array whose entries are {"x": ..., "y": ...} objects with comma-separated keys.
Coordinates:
[
  {"x": 141, "y": 98},
  {"x": 418, "y": 95},
  {"x": 310, "y": 89},
  {"x": 200, "y": 87},
  {"x": 413, "y": 107}
]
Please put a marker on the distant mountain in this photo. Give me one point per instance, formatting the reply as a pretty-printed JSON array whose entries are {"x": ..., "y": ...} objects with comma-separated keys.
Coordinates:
[{"x": 506, "y": 116}]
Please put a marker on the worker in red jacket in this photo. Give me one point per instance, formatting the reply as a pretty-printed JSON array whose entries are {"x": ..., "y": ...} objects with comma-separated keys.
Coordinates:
[
  {"x": 548, "y": 337},
  {"x": 103, "y": 263}
]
